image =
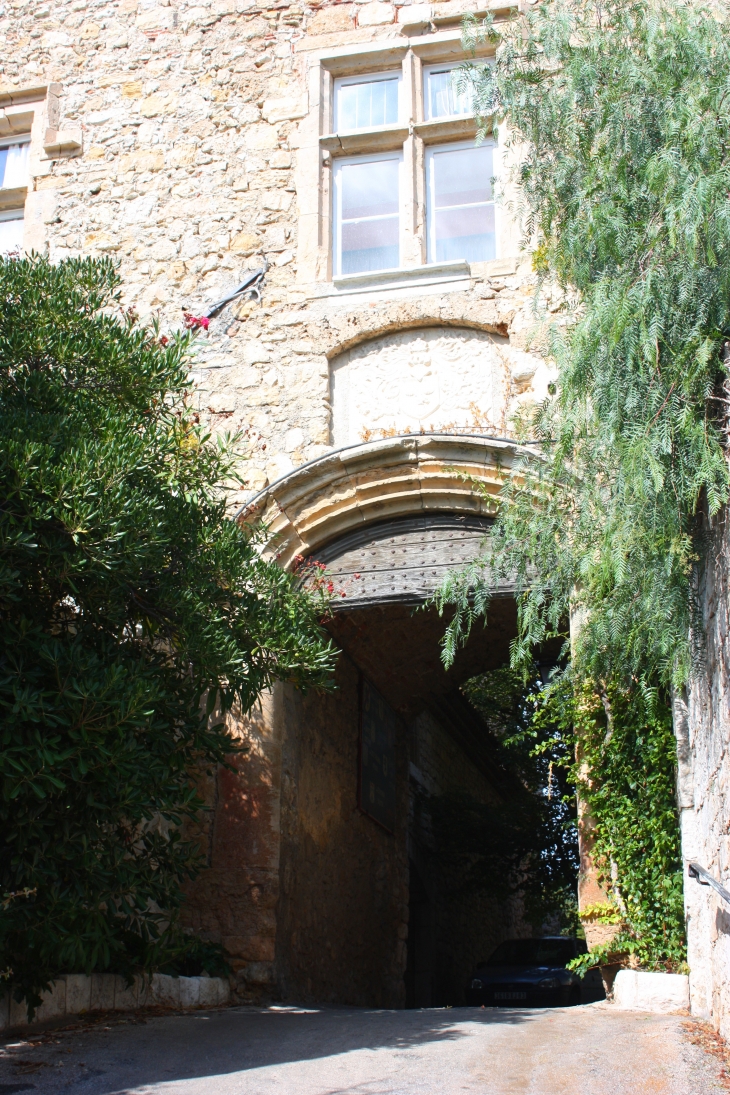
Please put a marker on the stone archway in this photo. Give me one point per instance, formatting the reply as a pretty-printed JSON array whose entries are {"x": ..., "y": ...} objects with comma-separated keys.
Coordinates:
[
  {"x": 308, "y": 892},
  {"x": 358, "y": 485},
  {"x": 307, "y": 888}
]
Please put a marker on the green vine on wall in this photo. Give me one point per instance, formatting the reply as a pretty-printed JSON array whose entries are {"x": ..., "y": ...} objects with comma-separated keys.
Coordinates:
[{"x": 622, "y": 764}]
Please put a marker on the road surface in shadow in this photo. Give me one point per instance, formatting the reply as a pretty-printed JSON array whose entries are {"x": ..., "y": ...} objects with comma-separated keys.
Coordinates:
[{"x": 590, "y": 1050}]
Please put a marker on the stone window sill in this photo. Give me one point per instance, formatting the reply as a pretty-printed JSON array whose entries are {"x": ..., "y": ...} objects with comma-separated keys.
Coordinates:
[
  {"x": 391, "y": 137},
  {"x": 13, "y": 198},
  {"x": 414, "y": 275},
  {"x": 446, "y": 129},
  {"x": 457, "y": 273}
]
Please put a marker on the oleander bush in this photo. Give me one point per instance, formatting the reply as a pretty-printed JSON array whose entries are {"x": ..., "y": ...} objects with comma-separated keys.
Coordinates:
[{"x": 134, "y": 613}]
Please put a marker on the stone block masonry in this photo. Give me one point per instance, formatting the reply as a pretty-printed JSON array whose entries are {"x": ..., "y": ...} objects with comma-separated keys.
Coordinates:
[{"x": 193, "y": 163}]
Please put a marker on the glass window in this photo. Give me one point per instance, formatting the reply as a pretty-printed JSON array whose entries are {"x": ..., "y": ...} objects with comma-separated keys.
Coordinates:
[
  {"x": 367, "y": 222},
  {"x": 441, "y": 96},
  {"x": 14, "y": 165},
  {"x": 365, "y": 102},
  {"x": 11, "y": 231},
  {"x": 461, "y": 203}
]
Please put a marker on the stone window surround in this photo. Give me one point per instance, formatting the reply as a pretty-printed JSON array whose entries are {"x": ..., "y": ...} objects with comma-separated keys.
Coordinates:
[
  {"x": 35, "y": 112},
  {"x": 318, "y": 146}
]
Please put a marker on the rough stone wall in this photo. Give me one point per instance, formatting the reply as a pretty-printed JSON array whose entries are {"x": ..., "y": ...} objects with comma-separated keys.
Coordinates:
[
  {"x": 194, "y": 121},
  {"x": 702, "y": 725},
  {"x": 233, "y": 900},
  {"x": 343, "y": 909}
]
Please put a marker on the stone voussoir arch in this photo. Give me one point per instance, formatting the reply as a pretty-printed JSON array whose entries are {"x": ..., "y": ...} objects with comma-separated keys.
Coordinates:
[
  {"x": 340, "y": 330},
  {"x": 359, "y": 485}
]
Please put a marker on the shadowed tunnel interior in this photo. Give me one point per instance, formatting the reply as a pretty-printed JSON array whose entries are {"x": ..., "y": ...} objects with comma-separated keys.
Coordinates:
[
  {"x": 353, "y": 846},
  {"x": 371, "y": 912}
]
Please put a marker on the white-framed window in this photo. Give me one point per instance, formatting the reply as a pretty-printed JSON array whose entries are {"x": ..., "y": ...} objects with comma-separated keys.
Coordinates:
[
  {"x": 14, "y": 163},
  {"x": 441, "y": 97},
  {"x": 367, "y": 102},
  {"x": 367, "y": 213},
  {"x": 11, "y": 231},
  {"x": 460, "y": 209}
]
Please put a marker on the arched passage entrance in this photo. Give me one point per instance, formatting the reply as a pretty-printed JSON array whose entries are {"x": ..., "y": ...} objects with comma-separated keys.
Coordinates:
[
  {"x": 358, "y": 485},
  {"x": 320, "y": 884}
]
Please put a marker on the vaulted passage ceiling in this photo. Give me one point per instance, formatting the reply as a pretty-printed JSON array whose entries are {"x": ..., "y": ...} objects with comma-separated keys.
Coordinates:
[{"x": 397, "y": 646}]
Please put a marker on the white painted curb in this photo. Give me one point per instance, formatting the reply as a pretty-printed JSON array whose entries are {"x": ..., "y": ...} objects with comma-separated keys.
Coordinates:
[
  {"x": 76, "y": 993},
  {"x": 634, "y": 990}
]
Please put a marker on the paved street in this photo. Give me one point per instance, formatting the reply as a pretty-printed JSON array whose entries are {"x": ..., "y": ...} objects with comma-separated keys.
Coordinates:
[{"x": 591, "y": 1050}]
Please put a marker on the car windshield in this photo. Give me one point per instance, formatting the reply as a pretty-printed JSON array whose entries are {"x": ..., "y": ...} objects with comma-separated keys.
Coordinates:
[{"x": 533, "y": 952}]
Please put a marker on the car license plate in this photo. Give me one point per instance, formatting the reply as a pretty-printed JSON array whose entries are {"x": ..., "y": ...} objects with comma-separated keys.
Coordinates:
[{"x": 510, "y": 996}]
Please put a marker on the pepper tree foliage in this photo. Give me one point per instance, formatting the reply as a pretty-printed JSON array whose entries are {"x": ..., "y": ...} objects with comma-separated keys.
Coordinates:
[
  {"x": 617, "y": 117},
  {"x": 135, "y": 614}
]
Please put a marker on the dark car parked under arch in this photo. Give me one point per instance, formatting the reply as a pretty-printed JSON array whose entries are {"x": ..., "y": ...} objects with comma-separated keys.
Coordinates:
[{"x": 531, "y": 972}]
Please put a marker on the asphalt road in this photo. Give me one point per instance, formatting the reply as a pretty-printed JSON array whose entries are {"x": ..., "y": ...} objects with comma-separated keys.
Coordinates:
[{"x": 590, "y": 1050}]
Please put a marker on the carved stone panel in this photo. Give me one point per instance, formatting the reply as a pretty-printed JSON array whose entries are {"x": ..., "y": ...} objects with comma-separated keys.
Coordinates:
[{"x": 437, "y": 378}]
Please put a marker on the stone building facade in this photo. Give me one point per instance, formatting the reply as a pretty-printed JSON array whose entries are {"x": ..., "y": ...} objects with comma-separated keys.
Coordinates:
[{"x": 393, "y": 339}]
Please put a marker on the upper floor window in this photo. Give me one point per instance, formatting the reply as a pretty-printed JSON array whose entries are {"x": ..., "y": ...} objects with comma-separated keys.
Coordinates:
[
  {"x": 14, "y": 164},
  {"x": 442, "y": 97},
  {"x": 460, "y": 211},
  {"x": 405, "y": 188},
  {"x": 11, "y": 231},
  {"x": 367, "y": 221},
  {"x": 366, "y": 102},
  {"x": 14, "y": 157}
]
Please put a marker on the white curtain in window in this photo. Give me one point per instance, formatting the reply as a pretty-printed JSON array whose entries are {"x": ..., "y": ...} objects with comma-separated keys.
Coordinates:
[
  {"x": 14, "y": 165},
  {"x": 443, "y": 98},
  {"x": 11, "y": 234}
]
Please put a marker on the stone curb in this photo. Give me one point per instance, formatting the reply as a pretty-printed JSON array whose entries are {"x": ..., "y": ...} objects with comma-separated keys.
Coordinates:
[
  {"x": 78, "y": 993},
  {"x": 634, "y": 990}
]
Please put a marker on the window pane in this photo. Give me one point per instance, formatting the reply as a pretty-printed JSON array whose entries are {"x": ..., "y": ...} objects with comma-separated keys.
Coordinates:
[
  {"x": 11, "y": 235},
  {"x": 14, "y": 165},
  {"x": 370, "y": 245},
  {"x": 462, "y": 176},
  {"x": 466, "y": 233},
  {"x": 369, "y": 189},
  {"x": 365, "y": 105},
  {"x": 444, "y": 100},
  {"x": 461, "y": 205},
  {"x": 369, "y": 228}
]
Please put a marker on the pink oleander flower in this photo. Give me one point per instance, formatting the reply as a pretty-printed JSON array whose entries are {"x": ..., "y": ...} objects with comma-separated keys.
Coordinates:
[{"x": 194, "y": 322}]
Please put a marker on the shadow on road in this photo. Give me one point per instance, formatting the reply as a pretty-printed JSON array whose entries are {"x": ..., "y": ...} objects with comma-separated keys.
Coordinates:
[{"x": 209, "y": 1044}]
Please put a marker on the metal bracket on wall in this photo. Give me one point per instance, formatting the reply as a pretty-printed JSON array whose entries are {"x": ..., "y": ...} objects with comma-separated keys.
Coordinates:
[
  {"x": 252, "y": 284},
  {"x": 705, "y": 879}
]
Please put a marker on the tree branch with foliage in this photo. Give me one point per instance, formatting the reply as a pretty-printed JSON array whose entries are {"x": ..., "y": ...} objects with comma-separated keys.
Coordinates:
[
  {"x": 616, "y": 114},
  {"x": 135, "y": 613}
]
